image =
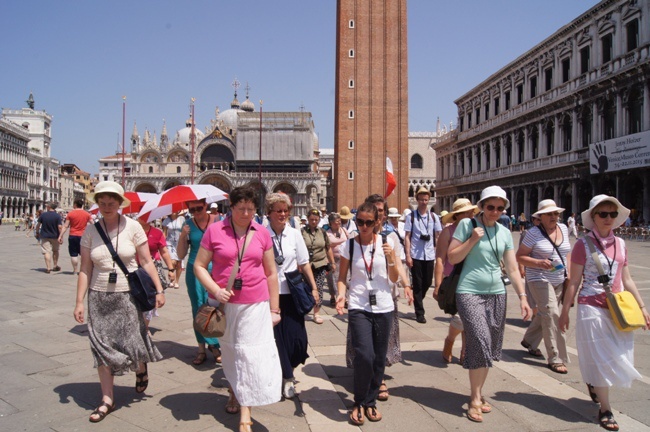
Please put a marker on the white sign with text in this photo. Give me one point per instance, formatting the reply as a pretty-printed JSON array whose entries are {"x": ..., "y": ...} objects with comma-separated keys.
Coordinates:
[{"x": 627, "y": 152}]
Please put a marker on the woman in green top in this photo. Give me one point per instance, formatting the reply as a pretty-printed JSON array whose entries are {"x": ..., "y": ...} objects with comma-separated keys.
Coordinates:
[
  {"x": 321, "y": 256},
  {"x": 481, "y": 292},
  {"x": 190, "y": 238}
]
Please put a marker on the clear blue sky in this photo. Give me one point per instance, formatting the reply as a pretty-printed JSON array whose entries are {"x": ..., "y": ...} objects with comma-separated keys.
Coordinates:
[{"x": 80, "y": 57}]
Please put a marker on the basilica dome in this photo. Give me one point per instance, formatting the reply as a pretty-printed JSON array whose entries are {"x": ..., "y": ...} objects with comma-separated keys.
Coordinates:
[
  {"x": 183, "y": 135},
  {"x": 229, "y": 119}
]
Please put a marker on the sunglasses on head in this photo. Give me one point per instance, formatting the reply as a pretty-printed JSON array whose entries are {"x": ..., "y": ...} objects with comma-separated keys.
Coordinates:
[
  {"x": 367, "y": 223},
  {"x": 490, "y": 207},
  {"x": 604, "y": 214},
  {"x": 195, "y": 209},
  {"x": 314, "y": 212}
]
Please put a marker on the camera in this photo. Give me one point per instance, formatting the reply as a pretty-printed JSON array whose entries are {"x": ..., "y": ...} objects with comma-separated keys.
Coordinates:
[
  {"x": 238, "y": 284},
  {"x": 328, "y": 267},
  {"x": 425, "y": 237},
  {"x": 506, "y": 280},
  {"x": 279, "y": 260},
  {"x": 604, "y": 279}
]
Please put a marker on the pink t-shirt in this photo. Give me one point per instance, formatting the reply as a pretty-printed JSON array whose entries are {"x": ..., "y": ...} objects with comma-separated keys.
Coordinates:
[
  {"x": 156, "y": 241},
  {"x": 219, "y": 239}
]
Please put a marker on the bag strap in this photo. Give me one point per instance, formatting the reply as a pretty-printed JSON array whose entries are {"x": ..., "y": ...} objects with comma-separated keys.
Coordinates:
[
  {"x": 545, "y": 234},
  {"x": 235, "y": 268},
  {"x": 111, "y": 249},
  {"x": 599, "y": 265},
  {"x": 459, "y": 267}
]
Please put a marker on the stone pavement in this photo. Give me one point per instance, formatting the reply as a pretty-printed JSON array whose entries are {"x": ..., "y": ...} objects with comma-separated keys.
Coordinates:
[{"x": 47, "y": 382}]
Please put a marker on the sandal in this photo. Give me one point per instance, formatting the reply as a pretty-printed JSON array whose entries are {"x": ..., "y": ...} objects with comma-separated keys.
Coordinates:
[
  {"x": 475, "y": 413},
  {"x": 606, "y": 420},
  {"x": 558, "y": 368},
  {"x": 199, "y": 359},
  {"x": 534, "y": 352},
  {"x": 372, "y": 414},
  {"x": 318, "y": 319},
  {"x": 446, "y": 351},
  {"x": 356, "y": 416},
  {"x": 592, "y": 393},
  {"x": 101, "y": 414},
  {"x": 245, "y": 426},
  {"x": 232, "y": 406},
  {"x": 216, "y": 352},
  {"x": 383, "y": 392},
  {"x": 142, "y": 380},
  {"x": 486, "y": 408}
]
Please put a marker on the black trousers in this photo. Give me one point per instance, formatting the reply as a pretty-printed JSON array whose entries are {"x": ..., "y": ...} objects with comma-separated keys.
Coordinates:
[
  {"x": 369, "y": 337},
  {"x": 290, "y": 337},
  {"x": 422, "y": 278}
]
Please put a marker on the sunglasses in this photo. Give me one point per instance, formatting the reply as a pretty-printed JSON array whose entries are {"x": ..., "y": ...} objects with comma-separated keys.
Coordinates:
[
  {"x": 551, "y": 214},
  {"x": 195, "y": 209},
  {"x": 281, "y": 211},
  {"x": 604, "y": 214},
  {"x": 490, "y": 207},
  {"x": 367, "y": 223}
]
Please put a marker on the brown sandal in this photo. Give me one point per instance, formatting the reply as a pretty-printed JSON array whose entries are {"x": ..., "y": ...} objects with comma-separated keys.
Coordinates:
[
  {"x": 475, "y": 413},
  {"x": 373, "y": 414},
  {"x": 558, "y": 368},
  {"x": 232, "y": 406},
  {"x": 101, "y": 414},
  {"x": 446, "y": 351},
  {"x": 383, "y": 392},
  {"x": 245, "y": 426},
  {"x": 199, "y": 359},
  {"x": 356, "y": 416},
  {"x": 486, "y": 408},
  {"x": 142, "y": 380},
  {"x": 216, "y": 352}
]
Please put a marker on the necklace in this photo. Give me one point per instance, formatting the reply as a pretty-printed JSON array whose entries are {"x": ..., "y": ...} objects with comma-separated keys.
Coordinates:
[{"x": 196, "y": 222}]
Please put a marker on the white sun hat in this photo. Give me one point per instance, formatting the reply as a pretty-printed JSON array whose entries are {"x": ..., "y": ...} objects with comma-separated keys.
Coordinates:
[{"x": 623, "y": 213}]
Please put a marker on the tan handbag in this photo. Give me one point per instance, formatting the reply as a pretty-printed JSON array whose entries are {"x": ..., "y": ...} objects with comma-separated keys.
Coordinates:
[{"x": 210, "y": 321}]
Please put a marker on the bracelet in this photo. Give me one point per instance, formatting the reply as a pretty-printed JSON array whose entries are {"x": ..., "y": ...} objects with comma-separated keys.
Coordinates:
[
  {"x": 276, "y": 311},
  {"x": 160, "y": 292},
  {"x": 642, "y": 307},
  {"x": 391, "y": 264},
  {"x": 522, "y": 295},
  {"x": 171, "y": 269}
]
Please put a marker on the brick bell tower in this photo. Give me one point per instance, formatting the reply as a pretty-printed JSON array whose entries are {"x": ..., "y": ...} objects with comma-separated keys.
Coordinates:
[{"x": 371, "y": 118}]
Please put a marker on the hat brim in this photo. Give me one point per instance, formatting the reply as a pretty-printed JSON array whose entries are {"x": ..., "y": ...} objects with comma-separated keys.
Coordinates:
[
  {"x": 548, "y": 210},
  {"x": 449, "y": 217},
  {"x": 125, "y": 201},
  {"x": 346, "y": 217},
  {"x": 623, "y": 213},
  {"x": 480, "y": 203}
]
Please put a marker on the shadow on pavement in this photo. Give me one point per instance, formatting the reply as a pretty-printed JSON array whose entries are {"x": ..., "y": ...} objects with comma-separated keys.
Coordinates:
[{"x": 540, "y": 403}]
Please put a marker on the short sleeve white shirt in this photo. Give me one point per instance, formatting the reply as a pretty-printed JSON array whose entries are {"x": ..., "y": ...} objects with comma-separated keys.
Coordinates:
[{"x": 290, "y": 244}]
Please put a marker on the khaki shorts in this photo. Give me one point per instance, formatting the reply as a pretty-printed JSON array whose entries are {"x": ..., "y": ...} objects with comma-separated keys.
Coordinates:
[{"x": 49, "y": 245}]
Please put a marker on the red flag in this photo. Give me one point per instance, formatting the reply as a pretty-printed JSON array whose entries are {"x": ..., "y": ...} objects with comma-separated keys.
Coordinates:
[{"x": 390, "y": 178}]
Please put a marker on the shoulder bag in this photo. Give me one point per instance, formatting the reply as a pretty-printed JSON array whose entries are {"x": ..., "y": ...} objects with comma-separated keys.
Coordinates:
[
  {"x": 448, "y": 286},
  {"x": 625, "y": 310},
  {"x": 141, "y": 285},
  {"x": 300, "y": 290},
  {"x": 210, "y": 321},
  {"x": 565, "y": 284}
]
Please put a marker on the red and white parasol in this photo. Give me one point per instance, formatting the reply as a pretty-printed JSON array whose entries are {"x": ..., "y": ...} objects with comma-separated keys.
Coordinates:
[
  {"x": 174, "y": 199},
  {"x": 137, "y": 202}
]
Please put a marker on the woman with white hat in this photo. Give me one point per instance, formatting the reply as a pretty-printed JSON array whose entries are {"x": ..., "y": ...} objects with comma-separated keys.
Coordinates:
[
  {"x": 118, "y": 336},
  {"x": 461, "y": 209},
  {"x": 481, "y": 292},
  {"x": 606, "y": 355},
  {"x": 546, "y": 252}
]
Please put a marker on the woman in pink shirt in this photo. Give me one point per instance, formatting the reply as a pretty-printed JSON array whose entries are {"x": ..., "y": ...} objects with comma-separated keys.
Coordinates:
[{"x": 249, "y": 354}]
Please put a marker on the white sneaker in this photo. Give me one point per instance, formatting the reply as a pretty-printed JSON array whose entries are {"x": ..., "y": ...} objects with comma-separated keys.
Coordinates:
[{"x": 288, "y": 390}]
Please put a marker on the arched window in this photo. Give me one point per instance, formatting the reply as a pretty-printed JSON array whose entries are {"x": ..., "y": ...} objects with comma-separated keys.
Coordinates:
[
  {"x": 178, "y": 170},
  {"x": 416, "y": 161},
  {"x": 150, "y": 170}
]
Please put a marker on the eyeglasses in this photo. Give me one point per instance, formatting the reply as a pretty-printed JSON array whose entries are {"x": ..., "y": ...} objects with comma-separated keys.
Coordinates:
[
  {"x": 282, "y": 211},
  {"x": 195, "y": 209},
  {"x": 367, "y": 223},
  {"x": 604, "y": 214},
  {"x": 551, "y": 214},
  {"x": 491, "y": 208}
]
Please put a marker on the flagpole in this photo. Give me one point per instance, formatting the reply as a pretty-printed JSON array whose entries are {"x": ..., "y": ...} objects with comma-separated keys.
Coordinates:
[{"x": 123, "y": 128}]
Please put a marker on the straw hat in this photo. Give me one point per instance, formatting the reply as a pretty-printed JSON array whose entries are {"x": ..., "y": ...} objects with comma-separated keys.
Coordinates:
[
  {"x": 623, "y": 212},
  {"x": 393, "y": 212},
  {"x": 493, "y": 192},
  {"x": 423, "y": 190},
  {"x": 461, "y": 205},
  {"x": 112, "y": 188},
  {"x": 345, "y": 213},
  {"x": 547, "y": 206}
]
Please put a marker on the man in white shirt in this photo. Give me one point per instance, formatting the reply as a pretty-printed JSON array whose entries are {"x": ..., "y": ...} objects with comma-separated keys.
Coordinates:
[{"x": 422, "y": 229}]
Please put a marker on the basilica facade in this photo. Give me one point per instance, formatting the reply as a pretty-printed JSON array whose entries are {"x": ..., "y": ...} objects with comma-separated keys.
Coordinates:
[
  {"x": 567, "y": 120},
  {"x": 231, "y": 151}
]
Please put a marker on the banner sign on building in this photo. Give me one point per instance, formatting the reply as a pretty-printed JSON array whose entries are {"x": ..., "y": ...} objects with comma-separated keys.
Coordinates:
[{"x": 627, "y": 152}]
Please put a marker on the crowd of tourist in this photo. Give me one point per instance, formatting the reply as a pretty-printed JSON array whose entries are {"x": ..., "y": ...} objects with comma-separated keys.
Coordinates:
[{"x": 365, "y": 259}]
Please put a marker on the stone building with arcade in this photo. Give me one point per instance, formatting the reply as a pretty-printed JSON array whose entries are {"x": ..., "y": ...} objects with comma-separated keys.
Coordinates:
[
  {"x": 554, "y": 122},
  {"x": 226, "y": 154}
]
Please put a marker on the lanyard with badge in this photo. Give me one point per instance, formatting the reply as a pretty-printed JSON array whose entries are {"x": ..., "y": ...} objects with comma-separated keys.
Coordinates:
[
  {"x": 504, "y": 276},
  {"x": 369, "y": 270},
  {"x": 279, "y": 256},
  {"x": 112, "y": 276},
  {"x": 237, "y": 285}
]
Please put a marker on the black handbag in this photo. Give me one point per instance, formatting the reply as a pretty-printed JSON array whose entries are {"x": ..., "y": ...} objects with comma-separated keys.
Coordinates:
[
  {"x": 448, "y": 286},
  {"x": 300, "y": 292},
  {"x": 142, "y": 286}
]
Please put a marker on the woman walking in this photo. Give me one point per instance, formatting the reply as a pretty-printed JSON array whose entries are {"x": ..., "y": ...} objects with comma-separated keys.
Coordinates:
[
  {"x": 241, "y": 251},
  {"x": 605, "y": 354},
  {"x": 290, "y": 255},
  {"x": 190, "y": 237},
  {"x": 545, "y": 252},
  {"x": 370, "y": 307},
  {"x": 461, "y": 209},
  {"x": 337, "y": 235},
  {"x": 118, "y": 336},
  {"x": 172, "y": 227},
  {"x": 481, "y": 292},
  {"x": 320, "y": 256}
]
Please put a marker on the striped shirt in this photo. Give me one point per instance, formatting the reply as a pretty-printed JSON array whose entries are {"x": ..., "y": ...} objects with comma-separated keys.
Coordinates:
[{"x": 543, "y": 249}]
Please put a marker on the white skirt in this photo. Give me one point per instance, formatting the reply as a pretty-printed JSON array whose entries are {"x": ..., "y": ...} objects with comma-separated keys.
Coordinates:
[
  {"x": 249, "y": 354},
  {"x": 606, "y": 354}
]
